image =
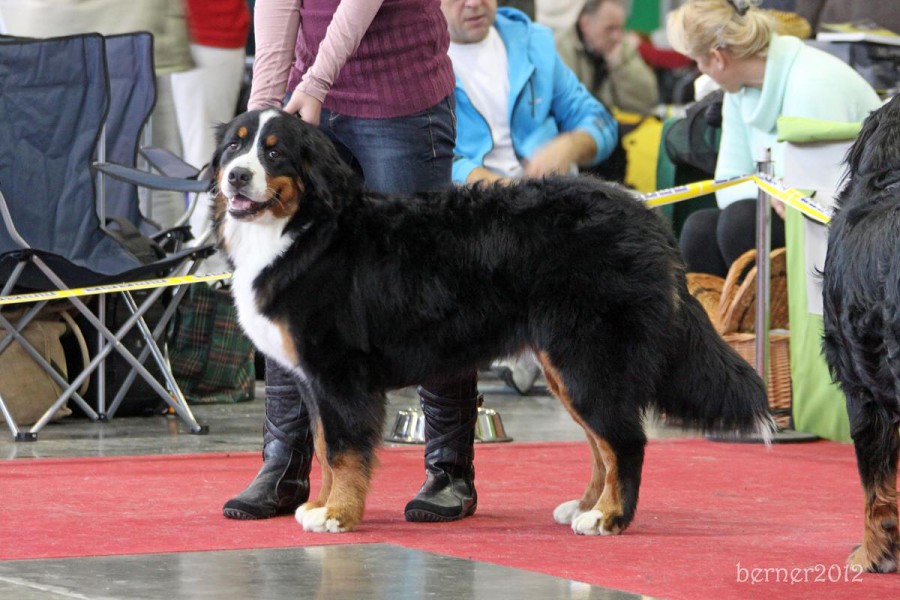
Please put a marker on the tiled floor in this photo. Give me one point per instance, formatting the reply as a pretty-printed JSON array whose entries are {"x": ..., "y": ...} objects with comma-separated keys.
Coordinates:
[{"x": 313, "y": 572}]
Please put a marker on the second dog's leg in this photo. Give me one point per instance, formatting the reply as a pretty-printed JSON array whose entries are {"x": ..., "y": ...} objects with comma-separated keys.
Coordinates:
[{"x": 877, "y": 444}]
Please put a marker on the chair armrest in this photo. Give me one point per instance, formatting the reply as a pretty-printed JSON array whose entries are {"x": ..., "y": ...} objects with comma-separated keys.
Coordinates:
[
  {"x": 168, "y": 163},
  {"x": 152, "y": 181}
]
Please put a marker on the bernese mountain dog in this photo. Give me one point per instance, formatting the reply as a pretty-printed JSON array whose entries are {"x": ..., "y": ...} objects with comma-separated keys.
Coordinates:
[
  {"x": 357, "y": 293},
  {"x": 862, "y": 324}
]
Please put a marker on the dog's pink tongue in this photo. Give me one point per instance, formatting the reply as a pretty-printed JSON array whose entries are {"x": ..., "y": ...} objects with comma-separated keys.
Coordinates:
[{"x": 240, "y": 203}]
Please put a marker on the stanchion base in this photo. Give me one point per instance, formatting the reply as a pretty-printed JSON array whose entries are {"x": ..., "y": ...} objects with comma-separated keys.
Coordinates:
[{"x": 784, "y": 436}]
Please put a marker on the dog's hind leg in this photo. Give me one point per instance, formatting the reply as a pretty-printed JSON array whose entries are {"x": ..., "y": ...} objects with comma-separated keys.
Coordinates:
[
  {"x": 614, "y": 509},
  {"x": 877, "y": 443},
  {"x": 617, "y": 450},
  {"x": 568, "y": 511}
]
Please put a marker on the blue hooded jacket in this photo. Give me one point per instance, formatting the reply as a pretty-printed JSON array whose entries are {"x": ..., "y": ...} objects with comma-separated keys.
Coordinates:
[{"x": 546, "y": 99}]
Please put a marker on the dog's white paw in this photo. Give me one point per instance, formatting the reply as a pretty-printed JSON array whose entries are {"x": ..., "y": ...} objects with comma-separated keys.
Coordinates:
[
  {"x": 590, "y": 523},
  {"x": 566, "y": 512},
  {"x": 316, "y": 520}
]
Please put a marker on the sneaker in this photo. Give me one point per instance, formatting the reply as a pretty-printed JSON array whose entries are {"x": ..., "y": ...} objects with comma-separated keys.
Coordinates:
[{"x": 518, "y": 372}]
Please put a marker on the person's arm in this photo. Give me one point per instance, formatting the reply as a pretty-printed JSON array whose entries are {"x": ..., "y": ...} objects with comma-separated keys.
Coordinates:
[
  {"x": 576, "y": 109},
  {"x": 480, "y": 174},
  {"x": 734, "y": 156},
  {"x": 276, "y": 24},
  {"x": 349, "y": 24},
  {"x": 556, "y": 157}
]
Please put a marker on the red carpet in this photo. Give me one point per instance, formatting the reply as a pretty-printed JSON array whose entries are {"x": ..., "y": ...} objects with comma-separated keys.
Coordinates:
[{"x": 710, "y": 513}]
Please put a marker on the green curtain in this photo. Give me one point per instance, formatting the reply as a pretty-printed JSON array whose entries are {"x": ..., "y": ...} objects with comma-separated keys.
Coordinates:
[{"x": 644, "y": 16}]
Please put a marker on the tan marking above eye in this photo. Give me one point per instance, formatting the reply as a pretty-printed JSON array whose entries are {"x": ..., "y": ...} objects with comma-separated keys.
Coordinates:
[
  {"x": 242, "y": 132},
  {"x": 271, "y": 140}
]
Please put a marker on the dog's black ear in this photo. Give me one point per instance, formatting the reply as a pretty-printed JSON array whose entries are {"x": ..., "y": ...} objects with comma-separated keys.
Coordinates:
[
  {"x": 325, "y": 174},
  {"x": 216, "y": 159},
  {"x": 876, "y": 152}
]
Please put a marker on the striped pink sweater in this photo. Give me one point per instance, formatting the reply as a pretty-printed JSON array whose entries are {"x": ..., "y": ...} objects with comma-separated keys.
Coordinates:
[{"x": 378, "y": 59}]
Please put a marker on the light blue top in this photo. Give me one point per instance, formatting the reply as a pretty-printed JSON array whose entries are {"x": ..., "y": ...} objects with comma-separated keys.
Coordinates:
[
  {"x": 800, "y": 81},
  {"x": 546, "y": 99}
]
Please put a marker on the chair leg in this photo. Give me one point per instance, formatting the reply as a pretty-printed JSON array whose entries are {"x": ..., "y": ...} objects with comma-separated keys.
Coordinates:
[
  {"x": 173, "y": 396},
  {"x": 14, "y": 334}
]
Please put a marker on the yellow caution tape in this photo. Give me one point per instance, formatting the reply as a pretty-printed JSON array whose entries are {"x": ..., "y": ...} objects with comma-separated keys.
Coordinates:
[
  {"x": 795, "y": 199},
  {"x": 791, "y": 197},
  {"x": 691, "y": 190},
  {"x": 114, "y": 287}
]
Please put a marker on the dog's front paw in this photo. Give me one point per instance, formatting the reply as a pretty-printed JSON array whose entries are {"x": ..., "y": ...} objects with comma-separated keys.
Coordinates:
[
  {"x": 317, "y": 519},
  {"x": 866, "y": 561},
  {"x": 593, "y": 522},
  {"x": 566, "y": 512}
]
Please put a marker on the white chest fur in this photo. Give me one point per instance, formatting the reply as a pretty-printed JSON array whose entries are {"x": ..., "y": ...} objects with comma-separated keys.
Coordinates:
[{"x": 252, "y": 247}]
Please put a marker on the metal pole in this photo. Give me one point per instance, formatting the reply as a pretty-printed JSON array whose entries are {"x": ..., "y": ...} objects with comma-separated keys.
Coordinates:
[{"x": 763, "y": 248}]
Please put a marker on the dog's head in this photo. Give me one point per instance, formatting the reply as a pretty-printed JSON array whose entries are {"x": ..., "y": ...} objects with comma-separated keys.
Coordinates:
[
  {"x": 270, "y": 165},
  {"x": 874, "y": 158}
]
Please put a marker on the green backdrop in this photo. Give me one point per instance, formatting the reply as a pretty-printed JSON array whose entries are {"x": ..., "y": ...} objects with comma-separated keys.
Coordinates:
[{"x": 645, "y": 16}]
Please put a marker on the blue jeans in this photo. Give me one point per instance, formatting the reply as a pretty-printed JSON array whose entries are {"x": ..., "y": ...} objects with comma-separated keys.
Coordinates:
[{"x": 402, "y": 155}]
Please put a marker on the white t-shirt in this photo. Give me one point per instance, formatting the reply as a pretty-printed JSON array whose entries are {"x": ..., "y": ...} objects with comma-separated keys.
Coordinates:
[{"x": 484, "y": 73}]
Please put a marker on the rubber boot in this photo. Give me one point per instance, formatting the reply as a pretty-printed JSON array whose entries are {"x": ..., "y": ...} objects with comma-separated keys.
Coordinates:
[
  {"x": 282, "y": 483},
  {"x": 448, "y": 493}
]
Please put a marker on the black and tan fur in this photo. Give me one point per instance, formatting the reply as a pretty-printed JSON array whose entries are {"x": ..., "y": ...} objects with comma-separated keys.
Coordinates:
[{"x": 358, "y": 293}]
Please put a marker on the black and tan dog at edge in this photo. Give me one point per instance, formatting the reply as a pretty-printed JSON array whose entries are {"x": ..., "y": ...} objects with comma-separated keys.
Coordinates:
[
  {"x": 358, "y": 293},
  {"x": 862, "y": 324}
]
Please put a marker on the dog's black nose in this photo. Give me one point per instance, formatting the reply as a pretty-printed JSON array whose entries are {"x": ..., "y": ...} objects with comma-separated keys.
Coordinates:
[{"x": 239, "y": 177}]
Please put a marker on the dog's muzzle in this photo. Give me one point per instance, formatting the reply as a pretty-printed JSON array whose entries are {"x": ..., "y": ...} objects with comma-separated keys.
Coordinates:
[{"x": 242, "y": 207}]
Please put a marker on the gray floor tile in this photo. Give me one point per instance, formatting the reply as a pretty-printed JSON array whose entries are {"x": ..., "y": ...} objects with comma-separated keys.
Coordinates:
[{"x": 369, "y": 571}]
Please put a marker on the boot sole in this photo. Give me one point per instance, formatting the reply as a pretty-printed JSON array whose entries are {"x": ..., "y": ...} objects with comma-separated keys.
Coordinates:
[
  {"x": 423, "y": 516},
  {"x": 239, "y": 515},
  {"x": 243, "y": 515}
]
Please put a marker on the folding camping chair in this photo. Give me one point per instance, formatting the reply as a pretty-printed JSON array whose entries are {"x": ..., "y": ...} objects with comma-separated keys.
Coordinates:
[
  {"x": 53, "y": 105},
  {"x": 132, "y": 82}
]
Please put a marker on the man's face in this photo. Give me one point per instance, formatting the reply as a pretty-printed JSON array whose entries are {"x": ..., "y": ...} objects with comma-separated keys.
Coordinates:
[
  {"x": 604, "y": 29},
  {"x": 469, "y": 20}
]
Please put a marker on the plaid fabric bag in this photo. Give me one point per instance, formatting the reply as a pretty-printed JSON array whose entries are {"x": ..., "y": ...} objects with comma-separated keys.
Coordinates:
[{"x": 212, "y": 359}]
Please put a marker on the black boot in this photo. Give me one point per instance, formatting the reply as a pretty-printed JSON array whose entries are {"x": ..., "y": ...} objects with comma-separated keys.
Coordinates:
[
  {"x": 448, "y": 493},
  {"x": 282, "y": 483}
]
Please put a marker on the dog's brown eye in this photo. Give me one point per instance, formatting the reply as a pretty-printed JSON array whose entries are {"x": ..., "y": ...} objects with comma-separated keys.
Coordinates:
[
  {"x": 273, "y": 154},
  {"x": 233, "y": 146}
]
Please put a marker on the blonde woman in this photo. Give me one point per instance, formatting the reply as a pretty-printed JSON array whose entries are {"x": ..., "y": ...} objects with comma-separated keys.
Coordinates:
[{"x": 764, "y": 76}]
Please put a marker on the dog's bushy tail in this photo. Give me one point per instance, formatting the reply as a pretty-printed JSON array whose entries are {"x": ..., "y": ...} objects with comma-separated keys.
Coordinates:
[{"x": 709, "y": 386}]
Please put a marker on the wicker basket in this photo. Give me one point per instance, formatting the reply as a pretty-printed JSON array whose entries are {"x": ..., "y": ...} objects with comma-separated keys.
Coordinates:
[
  {"x": 779, "y": 370},
  {"x": 731, "y": 306}
]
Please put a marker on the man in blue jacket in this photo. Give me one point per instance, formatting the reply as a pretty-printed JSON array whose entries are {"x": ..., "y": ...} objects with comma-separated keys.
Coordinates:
[{"x": 521, "y": 112}]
